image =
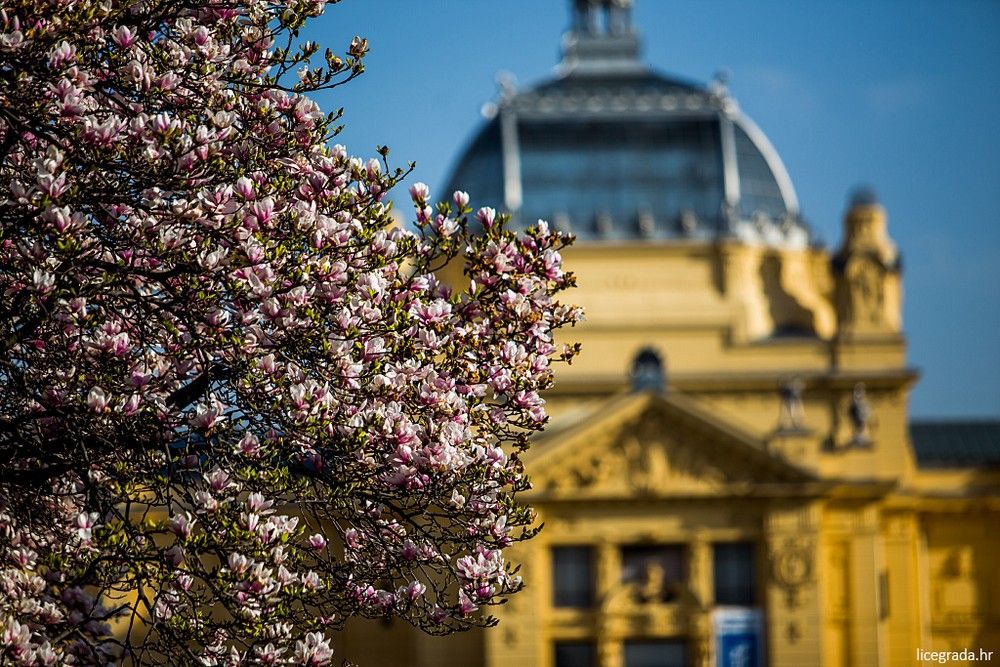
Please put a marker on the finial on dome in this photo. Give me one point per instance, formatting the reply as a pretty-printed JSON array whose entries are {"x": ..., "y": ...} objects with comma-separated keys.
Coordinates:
[
  {"x": 620, "y": 17},
  {"x": 594, "y": 17},
  {"x": 584, "y": 17},
  {"x": 601, "y": 37},
  {"x": 720, "y": 83},
  {"x": 506, "y": 85}
]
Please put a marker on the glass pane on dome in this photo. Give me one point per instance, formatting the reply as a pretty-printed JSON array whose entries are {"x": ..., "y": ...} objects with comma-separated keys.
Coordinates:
[
  {"x": 480, "y": 172},
  {"x": 759, "y": 191},
  {"x": 586, "y": 168}
]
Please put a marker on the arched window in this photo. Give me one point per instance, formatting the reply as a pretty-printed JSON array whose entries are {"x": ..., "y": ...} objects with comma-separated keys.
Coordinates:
[{"x": 649, "y": 373}]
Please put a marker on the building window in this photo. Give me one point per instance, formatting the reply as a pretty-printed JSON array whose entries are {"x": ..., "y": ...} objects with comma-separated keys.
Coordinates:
[
  {"x": 572, "y": 577},
  {"x": 575, "y": 654},
  {"x": 656, "y": 653},
  {"x": 735, "y": 573},
  {"x": 656, "y": 571},
  {"x": 648, "y": 371}
]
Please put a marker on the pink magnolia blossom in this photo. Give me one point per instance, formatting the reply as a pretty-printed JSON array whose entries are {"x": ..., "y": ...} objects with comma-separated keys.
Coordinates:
[
  {"x": 419, "y": 192},
  {"x": 182, "y": 525},
  {"x": 221, "y": 355},
  {"x": 486, "y": 215},
  {"x": 313, "y": 651},
  {"x": 97, "y": 399}
]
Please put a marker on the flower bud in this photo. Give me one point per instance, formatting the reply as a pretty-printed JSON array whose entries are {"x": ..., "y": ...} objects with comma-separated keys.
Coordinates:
[{"x": 419, "y": 192}]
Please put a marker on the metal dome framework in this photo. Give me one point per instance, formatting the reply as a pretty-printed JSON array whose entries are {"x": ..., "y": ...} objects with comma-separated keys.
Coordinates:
[{"x": 611, "y": 150}]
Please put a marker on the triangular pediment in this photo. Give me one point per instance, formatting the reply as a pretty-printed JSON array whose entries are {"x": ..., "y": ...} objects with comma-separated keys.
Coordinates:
[{"x": 643, "y": 445}]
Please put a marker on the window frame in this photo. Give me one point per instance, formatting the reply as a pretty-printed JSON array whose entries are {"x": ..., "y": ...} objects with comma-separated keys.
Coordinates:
[
  {"x": 589, "y": 593},
  {"x": 683, "y": 642},
  {"x": 753, "y": 585},
  {"x": 589, "y": 645},
  {"x": 673, "y": 588}
]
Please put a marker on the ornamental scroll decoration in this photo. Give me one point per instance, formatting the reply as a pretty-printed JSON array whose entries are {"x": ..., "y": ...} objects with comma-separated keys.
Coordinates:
[{"x": 792, "y": 567}]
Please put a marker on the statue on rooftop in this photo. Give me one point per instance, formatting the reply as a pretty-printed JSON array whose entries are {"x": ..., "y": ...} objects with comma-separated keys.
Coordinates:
[
  {"x": 861, "y": 413},
  {"x": 791, "y": 416}
]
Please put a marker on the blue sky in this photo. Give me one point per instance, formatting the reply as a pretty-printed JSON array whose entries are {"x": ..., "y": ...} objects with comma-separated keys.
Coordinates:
[{"x": 902, "y": 95}]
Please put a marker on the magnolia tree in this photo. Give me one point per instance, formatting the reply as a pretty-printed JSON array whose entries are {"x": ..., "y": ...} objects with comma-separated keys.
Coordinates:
[{"x": 237, "y": 406}]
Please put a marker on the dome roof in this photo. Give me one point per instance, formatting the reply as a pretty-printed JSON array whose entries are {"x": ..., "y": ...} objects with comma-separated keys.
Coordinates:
[{"x": 611, "y": 150}]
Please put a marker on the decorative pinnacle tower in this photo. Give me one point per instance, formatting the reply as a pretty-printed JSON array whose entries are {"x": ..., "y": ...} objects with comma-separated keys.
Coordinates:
[
  {"x": 867, "y": 271},
  {"x": 601, "y": 38}
]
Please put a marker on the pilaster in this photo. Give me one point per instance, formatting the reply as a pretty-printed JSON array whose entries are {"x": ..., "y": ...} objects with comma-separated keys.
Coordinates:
[
  {"x": 518, "y": 639},
  {"x": 792, "y": 597},
  {"x": 904, "y": 587},
  {"x": 866, "y": 563},
  {"x": 700, "y": 577},
  {"x": 609, "y": 651}
]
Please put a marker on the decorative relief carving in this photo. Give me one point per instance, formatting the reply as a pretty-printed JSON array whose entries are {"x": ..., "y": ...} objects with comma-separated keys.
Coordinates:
[
  {"x": 588, "y": 470},
  {"x": 956, "y": 591},
  {"x": 647, "y": 465},
  {"x": 654, "y": 586},
  {"x": 644, "y": 462},
  {"x": 601, "y": 469},
  {"x": 792, "y": 567},
  {"x": 797, "y": 519},
  {"x": 652, "y": 456},
  {"x": 898, "y": 526},
  {"x": 866, "y": 291}
]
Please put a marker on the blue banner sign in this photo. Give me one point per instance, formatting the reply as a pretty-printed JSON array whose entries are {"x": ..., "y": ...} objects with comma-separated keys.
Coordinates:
[{"x": 739, "y": 637}]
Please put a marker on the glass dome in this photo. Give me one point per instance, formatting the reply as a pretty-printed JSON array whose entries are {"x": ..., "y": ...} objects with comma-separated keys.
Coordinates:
[{"x": 611, "y": 150}]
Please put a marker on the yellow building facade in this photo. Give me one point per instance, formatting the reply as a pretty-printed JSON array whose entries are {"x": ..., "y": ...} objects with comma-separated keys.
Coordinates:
[
  {"x": 795, "y": 450},
  {"x": 730, "y": 475}
]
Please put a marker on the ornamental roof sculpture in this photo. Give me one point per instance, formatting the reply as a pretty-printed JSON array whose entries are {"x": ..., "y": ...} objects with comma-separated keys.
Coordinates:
[{"x": 612, "y": 150}]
